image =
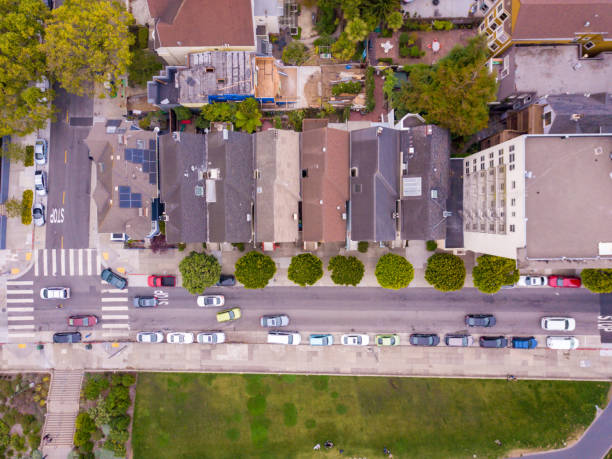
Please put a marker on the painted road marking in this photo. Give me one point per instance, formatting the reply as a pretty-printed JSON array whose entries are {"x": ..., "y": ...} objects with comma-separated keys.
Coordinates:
[
  {"x": 21, "y": 335},
  {"x": 108, "y": 300},
  {"x": 28, "y": 256},
  {"x": 45, "y": 267},
  {"x": 63, "y": 197},
  {"x": 115, "y": 317},
  {"x": 80, "y": 262},
  {"x": 53, "y": 262},
  {"x": 98, "y": 263},
  {"x": 71, "y": 261},
  {"x": 115, "y": 308},
  {"x": 65, "y": 158},
  {"x": 21, "y": 327},
  {"x": 62, "y": 243},
  {"x": 112, "y": 290},
  {"x": 18, "y": 292},
  {"x": 89, "y": 271},
  {"x": 15, "y": 271},
  {"x": 36, "y": 262},
  {"x": 113, "y": 326},
  {"x": 63, "y": 261},
  {"x": 20, "y": 300},
  {"x": 9, "y": 310},
  {"x": 10, "y": 318},
  {"x": 116, "y": 332},
  {"x": 19, "y": 282}
]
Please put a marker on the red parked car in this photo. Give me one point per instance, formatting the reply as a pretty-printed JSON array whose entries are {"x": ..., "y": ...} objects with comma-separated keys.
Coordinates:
[
  {"x": 161, "y": 281},
  {"x": 564, "y": 281},
  {"x": 82, "y": 321}
]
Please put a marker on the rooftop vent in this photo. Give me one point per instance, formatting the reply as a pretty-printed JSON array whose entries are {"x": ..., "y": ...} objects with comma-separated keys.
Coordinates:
[
  {"x": 214, "y": 174},
  {"x": 576, "y": 116}
]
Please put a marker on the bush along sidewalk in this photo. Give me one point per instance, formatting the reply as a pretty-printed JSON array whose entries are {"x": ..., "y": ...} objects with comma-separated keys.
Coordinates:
[
  {"x": 305, "y": 269},
  {"x": 103, "y": 422}
]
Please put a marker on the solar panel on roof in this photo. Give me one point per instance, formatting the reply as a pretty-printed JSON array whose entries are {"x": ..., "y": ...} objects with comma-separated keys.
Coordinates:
[
  {"x": 152, "y": 178},
  {"x": 124, "y": 189},
  {"x": 151, "y": 144},
  {"x": 124, "y": 204},
  {"x": 138, "y": 155},
  {"x": 145, "y": 166},
  {"x": 128, "y": 154}
]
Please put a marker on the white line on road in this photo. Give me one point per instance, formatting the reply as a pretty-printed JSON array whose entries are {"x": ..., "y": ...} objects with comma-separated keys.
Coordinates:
[
  {"x": 20, "y": 335},
  {"x": 45, "y": 260},
  {"x": 9, "y": 310},
  {"x": 80, "y": 262},
  {"x": 53, "y": 262},
  {"x": 107, "y": 300},
  {"x": 21, "y": 327},
  {"x": 71, "y": 261},
  {"x": 116, "y": 333},
  {"x": 14, "y": 318},
  {"x": 18, "y": 292},
  {"x": 116, "y": 317},
  {"x": 113, "y": 326},
  {"x": 36, "y": 262},
  {"x": 63, "y": 261},
  {"x": 115, "y": 308},
  {"x": 19, "y": 282},
  {"x": 20, "y": 300},
  {"x": 98, "y": 262},
  {"x": 89, "y": 271},
  {"x": 112, "y": 290}
]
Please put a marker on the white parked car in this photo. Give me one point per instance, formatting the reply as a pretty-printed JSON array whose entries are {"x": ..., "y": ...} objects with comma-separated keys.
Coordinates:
[
  {"x": 566, "y": 343},
  {"x": 40, "y": 183},
  {"x": 558, "y": 323},
  {"x": 179, "y": 338},
  {"x": 40, "y": 152},
  {"x": 150, "y": 337},
  {"x": 355, "y": 339},
  {"x": 211, "y": 301},
  {"x": 55, "y": 293},
  {"x": 532, "y": 281},
  {"x": 211, "y": 338}
]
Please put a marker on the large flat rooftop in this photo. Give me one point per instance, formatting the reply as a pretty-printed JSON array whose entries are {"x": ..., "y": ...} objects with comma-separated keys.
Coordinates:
[{"x": 569, "y": 196}]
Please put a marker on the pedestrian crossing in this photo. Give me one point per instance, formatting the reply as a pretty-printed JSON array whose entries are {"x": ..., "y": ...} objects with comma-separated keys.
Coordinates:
[
  {"x": 67, "y": 262},
  {"x": 20, "y": 309},
  {"x": 114, "y": 312}
]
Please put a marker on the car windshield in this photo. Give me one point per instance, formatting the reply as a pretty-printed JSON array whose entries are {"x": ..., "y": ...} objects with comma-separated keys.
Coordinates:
[{"x": 559, "y": 281}]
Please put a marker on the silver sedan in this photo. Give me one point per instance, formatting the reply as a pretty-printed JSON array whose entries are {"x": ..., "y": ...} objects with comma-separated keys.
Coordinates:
[{"x": 278, "y": 320}]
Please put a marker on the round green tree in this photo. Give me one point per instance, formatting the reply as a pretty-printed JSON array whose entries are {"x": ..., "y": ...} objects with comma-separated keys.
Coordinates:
[
  {"x": 305, "y": 269},
  {"x": 445, "y": 271},
  {"x": 597, "y": 280},
  {"x": 254, "y": 270},
  {"x": 346, "y": 270},
  {"x": 199, "y": 271},
  {"x": 492, "y": 272},
  {"x": 394, "y": 271}
]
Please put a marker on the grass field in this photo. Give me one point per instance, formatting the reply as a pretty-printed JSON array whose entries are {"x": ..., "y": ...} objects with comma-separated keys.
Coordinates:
[{"x": 252, "y": 416}]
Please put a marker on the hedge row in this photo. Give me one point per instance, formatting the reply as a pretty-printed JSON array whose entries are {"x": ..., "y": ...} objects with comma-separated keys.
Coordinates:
[{"x": 26, "y": 207}]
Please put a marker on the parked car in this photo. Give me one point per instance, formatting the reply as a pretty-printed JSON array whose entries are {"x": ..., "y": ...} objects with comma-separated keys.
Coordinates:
[
  {"x": 558, "y": 323},
  {"x": 507, "y": 286},
  {"x": 40, "y": 152},
  {"x": 566, "y": 343},
  {"x": 532, "y": 281},
  {"x": 229, "y": 314},
  {"x": 424, "y": 339},
  {"x": 387, "y": 340},
  {"x": 480, "y": 320},
  {"x": 55, "y": 293},
  {"x": 145, "y": 301},
  {"x": 150, "y": 337},
  {"x": 82, "y": 321},
  {"x": 458, "y": 340},
  {"x": 38, "y": 214},
  {"x": 284, "y": 337},
  {"x": 161, "y": 281},
  {"x": 179, "y": 338},
  {"x": 211, "y": 338},
  {"x": 321, "y": 340},
  {"x": 67, "y": 337},
  {"x": 114, "y": 279},
  {"x": 524, "y": 342},
  {"x": 355, "y": 340},
  {"x": 276, "y": 320},
  {"x": 226, "y": 280},
  {"x": 564, "y": 281},
  {"x": 40, "y": 183},
  {"x": 210, "y": 301},
  {"x": 493, "y": 341}
]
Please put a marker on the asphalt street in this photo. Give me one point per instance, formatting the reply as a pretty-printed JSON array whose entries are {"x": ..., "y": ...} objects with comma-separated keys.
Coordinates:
[{"x": 69, "y": 173}]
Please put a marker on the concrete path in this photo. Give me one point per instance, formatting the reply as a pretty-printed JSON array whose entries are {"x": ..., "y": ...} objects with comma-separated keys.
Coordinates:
[
  {"x": 594, "y": 444},
  {"x": 62, "y": 410}
]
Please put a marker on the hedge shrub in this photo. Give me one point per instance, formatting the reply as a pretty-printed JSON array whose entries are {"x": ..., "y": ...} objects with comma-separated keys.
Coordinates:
[
  {"x": 29, "y": 156},
  {"x": 431, "y": 245},
  {"x": 26, "y": 207},
  {"x": 445, "y": 271},
  {"x": 199, "y": 271},
  {"x": 370, "y": 86},
  {"x": 254, "y": 270},
  {"x": 394, "y": 271},
  {"x": 346, "y": 270},
  {"x": 362, "y": 246},
  {"x": 597, "y": 280},
  {"x": 348, "y": 87},
  {"x": 492, "y": 272},
  {"x": 305, "y": 269}
]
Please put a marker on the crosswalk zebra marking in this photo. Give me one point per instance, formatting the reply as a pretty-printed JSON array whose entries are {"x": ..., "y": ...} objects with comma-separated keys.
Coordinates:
[
  {"x": 19, "y": 282},
  {"x": 20, "y": 300},
  {"x": 114, "y": 326},
  {"x": 36, "y": 262},
  {"x": 20, "y": 318},
  {"x": 111, "y": 299},
  {"x": 80, "y": 262},
  {"x": 116, "y": 317},
  {"x": 19, "y": 292},
  {"x": 9, "y": 310},
  {"x": 21, "y": 327},
  {"x": 54, "y": 262},
  {"x": 45, "y": 265},
  {"x": 115, "y": 308}
]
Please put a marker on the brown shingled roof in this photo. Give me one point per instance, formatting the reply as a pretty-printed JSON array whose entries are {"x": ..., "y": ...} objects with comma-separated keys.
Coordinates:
[{"x": 203, "y": 22}]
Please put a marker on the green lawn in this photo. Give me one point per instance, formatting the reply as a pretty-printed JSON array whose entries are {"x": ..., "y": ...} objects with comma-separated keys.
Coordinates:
[{"x": 249, "y": 416}]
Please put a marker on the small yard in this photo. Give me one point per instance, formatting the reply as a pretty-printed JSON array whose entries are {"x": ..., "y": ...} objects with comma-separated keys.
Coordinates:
[{"x": 245, "y": 416}]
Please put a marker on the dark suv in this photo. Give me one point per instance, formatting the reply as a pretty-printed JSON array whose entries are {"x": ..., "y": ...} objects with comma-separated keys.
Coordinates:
[
  {"x": 424, "y": 339},
  {"x": 67, "y": 337},
  {"x": 493, "y": 341},
  {"x": 479, "y": 320},
  {"x": 114, "y": 279},
  {"x": 226, "y": 280}
]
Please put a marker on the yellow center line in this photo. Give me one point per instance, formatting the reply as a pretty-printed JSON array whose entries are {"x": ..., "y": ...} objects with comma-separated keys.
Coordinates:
[
  {"x": 62, "y": 242},
  {"x": 67, "y": 120},
  {"x": 65, "y": 156},
  {"x": 63, "y": 197}
]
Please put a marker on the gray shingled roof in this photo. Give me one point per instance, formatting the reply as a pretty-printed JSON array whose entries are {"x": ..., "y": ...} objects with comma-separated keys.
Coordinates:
[
  {"x": 375, "y": 188},
  {"x": 230, "y": 196},
  {"x": 183, "y": 173},
  {"x": 595, "y": 113}
]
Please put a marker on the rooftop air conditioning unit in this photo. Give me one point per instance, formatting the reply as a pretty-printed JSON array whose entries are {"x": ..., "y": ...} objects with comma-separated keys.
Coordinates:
[
  {"x": 295, "y": 216},
  {"x": 394, "y": 215},
  {"x": 213, "y": 174}
]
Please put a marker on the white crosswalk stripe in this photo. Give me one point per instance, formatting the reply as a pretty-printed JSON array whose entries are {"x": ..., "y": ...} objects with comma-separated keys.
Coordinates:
[
  {"x": 80, "y": 262},
  {"x": 36, "y": 262},
  {"x": 115, "y": 308},
  {"x": 20, "y": 300},
  {"x": 113, "y": 326},
  {"x": 113, "y": 299},
  {"x": 114, "y": 311},
  {"x": 45, "y": 265},
  {"x": 19, "y": 292},
  {"x": 20, "y": 318},
  {"x": 19, "y": 310},
  {"x": 66, "y": 262},
  {"x": 11, "y": 310},
  {"x": 63, "y": 261},
  {"x": 71, "y": 261},
  {"x": 115, "y": 317},
  {"x": 21, "y": 327},
  {"x": 19, "y": 282}
]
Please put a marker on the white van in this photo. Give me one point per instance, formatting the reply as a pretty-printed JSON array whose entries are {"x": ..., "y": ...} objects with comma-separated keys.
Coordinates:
[
  {"x": 283, "y": 337},
  {"x": 566, "y": 343}
]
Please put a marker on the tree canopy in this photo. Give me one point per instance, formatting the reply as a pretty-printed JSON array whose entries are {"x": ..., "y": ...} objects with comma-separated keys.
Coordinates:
[
  {"x": 254, "y": 270},
  {"x": 492, "y": 272},
  {"x": 295, "y": 53},
  {"x": 199, "y": 271},
  {"x": 445, "y": 271},
  {"x": 305, "y": 269},
  {"x": 88, "y": 42},
  {"x": 248, "y": 115},
  {"x": 597, "y": 280},
  {"x": 454, "y": 92},
  {"x": 346, "y": 270},
  {"x": 23, "y": 107},
  {"x": 394, "y": 271}
]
